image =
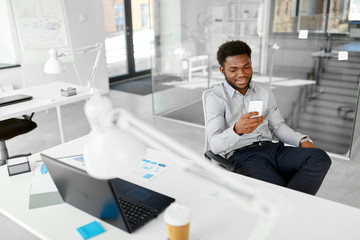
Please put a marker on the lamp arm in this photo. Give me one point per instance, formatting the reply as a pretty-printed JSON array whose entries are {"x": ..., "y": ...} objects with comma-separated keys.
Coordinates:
[
  {"x": 117, "y": 126},
  {"x": 244, "y": 196},
  {"x": 96, "y": 64},
  {"x": 250, "y": 199},
  {"x": 82, "y": 50}
]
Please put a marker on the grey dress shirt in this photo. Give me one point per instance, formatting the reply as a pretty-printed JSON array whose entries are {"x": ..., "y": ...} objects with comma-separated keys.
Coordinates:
[{"x": 224, "y": 107}]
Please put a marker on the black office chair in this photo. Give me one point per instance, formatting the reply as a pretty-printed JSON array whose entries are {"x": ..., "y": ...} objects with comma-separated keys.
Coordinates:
[
  {"x": 214, "y": 158},
  {"x": 13, "y": 127}
]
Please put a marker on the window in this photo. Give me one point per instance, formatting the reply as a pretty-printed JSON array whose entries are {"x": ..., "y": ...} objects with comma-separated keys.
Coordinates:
[
  {"x": 318, "y": 16},
  {"x": 8, "y": 55},
  {"x": 145, "y": 15}
]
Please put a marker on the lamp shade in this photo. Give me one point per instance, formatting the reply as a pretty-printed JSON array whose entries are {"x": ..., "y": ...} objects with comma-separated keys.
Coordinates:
[
  {"x": 111, "y": 152},
  {"x": 53, "y": 65}
]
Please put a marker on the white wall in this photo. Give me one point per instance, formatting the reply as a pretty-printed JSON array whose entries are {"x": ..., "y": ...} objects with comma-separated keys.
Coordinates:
[{"x": 81, "y": 33}]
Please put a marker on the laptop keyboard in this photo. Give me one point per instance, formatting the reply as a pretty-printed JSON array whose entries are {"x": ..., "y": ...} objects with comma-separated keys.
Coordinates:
[{"x": 136, "y": 214}]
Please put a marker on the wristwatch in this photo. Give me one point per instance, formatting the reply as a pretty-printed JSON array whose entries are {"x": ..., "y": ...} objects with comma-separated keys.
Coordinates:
[{"x": 305, "y": 139}]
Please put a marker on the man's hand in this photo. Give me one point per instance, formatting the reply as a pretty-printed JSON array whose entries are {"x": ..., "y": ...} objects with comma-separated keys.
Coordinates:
[
  {"x": 246, "y": 124},
  {"x": 307, "y": 144}
]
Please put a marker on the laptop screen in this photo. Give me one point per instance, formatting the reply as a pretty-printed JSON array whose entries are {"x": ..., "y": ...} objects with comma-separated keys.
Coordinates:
[{"x": 89, "y": 194}]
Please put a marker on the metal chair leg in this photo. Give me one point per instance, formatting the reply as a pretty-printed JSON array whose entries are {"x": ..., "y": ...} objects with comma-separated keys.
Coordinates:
[{"x": 4, "y": 155}]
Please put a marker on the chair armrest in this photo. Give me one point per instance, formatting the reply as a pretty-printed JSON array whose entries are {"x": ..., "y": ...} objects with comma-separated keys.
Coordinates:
[
  {"x": 221, "y": 160},
  {"x": 27, "y": 117}
]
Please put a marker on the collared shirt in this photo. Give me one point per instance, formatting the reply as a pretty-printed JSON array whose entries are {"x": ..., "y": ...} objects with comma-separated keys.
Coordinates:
[{"x": 225, "y": 106}]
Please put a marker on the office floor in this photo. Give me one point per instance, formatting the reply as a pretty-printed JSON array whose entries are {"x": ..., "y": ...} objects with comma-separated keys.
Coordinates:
[{"x": 342, "y": 183}]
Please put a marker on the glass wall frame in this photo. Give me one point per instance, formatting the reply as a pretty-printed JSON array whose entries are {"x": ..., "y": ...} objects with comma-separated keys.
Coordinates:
[{"x": 305, "y": 74}]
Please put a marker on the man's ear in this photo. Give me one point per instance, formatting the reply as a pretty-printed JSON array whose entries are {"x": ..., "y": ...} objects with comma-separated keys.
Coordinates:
[{"x": 222, "y": 70}]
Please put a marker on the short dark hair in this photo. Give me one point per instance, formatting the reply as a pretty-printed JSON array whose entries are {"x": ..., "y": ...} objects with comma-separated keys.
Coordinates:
[{"x": 232, "y": 48}]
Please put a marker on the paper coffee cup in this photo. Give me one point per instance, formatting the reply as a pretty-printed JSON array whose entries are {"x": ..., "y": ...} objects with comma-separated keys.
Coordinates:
[{"x": 177, "y": 218}]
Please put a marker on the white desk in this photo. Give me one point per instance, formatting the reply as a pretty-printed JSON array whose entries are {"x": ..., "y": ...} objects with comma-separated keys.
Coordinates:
[
  {"x": 303, "y": 217},
  {"x": 266, "y": 79},
  {"x": 45, "y": 96},
  {"x": 293, "y": 83}
]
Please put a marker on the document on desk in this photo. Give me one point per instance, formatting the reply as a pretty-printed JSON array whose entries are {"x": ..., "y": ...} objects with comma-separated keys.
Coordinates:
[
  {"x": 148, "y": 169},
  {"x": 43, "y": 191},
  {"x": 75, "y": 160}
]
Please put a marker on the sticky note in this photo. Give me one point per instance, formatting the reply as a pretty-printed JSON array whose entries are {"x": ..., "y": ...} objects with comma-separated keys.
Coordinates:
[
  {"x": 43, "y": 169},
  {"x": 303, "y": 34},
  {"x": 343, "y": 55},
  {"x": 147, "y": 176},
  {"x": 90, "y": 230}
]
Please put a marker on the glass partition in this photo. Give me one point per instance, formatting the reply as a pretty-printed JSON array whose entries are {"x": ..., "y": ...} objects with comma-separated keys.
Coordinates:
[{"x": 315, "y": 78}]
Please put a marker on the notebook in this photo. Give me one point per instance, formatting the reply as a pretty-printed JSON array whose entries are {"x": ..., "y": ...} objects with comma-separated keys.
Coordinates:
[
  {"x": 4, "y": 101},
  {"x": 115, "y": 201}
]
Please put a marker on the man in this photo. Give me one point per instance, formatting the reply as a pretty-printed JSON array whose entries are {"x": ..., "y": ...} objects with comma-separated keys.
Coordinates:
[{"x": 246, "y": 140}]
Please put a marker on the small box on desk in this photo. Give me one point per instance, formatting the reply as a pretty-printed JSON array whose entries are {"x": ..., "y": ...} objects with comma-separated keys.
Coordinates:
[
  {"x": 17, "y": 165},
  {"x": 70, "y": 91}
]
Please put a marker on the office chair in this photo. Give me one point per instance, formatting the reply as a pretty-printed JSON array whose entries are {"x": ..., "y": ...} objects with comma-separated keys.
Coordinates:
[
  {"x": 13, "y": 127},
  {"x": 214, "y": 158}
]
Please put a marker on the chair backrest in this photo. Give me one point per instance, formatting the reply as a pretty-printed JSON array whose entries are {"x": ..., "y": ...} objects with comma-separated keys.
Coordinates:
[
  {"x": 214, "y": 158},
  {"x": 10, "y": 128},
  {"x": 204, "y": 95}
]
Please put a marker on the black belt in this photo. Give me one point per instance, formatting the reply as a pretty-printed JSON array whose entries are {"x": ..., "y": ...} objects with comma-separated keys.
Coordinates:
[{"x": 254, "y": 144}]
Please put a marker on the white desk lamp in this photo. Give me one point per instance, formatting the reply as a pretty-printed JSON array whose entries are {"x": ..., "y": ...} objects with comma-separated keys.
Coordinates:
[
  {"x": 55, "y": 66},
  {"x": 118, "y": 139}
]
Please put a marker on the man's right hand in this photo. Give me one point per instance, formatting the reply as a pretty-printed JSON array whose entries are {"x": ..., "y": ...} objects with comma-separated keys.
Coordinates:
[{"x": 246, "y": 124}]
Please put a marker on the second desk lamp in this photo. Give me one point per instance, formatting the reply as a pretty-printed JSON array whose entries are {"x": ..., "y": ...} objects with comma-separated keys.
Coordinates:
[{"x": 55, "y": 66}]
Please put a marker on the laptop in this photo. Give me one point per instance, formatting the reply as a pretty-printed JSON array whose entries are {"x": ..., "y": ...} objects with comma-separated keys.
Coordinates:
[
  {"x": 4, "y": 101},
  {"x": 115, "y": 201}
]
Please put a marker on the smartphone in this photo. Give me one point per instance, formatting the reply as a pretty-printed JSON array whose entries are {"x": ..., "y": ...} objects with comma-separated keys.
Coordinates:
[{"x": 256, "y": 106}]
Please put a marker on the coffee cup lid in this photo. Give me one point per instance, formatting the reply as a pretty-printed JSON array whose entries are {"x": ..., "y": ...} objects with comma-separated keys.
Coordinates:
[{"x": 177, "y": 215}]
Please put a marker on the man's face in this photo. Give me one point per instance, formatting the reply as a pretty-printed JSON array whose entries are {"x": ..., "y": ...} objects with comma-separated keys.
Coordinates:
[{"x": 238, "y": 72}]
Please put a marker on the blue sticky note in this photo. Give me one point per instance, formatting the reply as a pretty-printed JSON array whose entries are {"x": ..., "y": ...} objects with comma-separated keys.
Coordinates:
[
  {"x": 90, "y": 230},
  {"x": 148, "y": 176},
  {"x": 43, "y": 169},
  {"x": 79, "y": 159}
]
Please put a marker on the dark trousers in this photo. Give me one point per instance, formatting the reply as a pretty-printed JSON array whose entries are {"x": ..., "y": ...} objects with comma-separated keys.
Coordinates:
[{"x": 301, "y": 169}]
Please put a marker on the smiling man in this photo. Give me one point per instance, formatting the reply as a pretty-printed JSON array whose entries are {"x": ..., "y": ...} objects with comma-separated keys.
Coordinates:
[{"x": 246, "y": 139}]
